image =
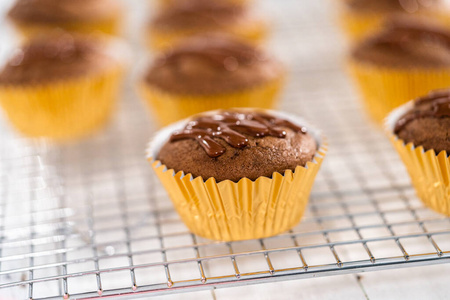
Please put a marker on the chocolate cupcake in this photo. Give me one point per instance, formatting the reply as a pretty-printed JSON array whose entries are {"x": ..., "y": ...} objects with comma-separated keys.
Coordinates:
[
  {"x": 47, "y": 88},
  {"x": 34, "y": 17},
  {"x": 210, "y": 72},
  {"x": 238, "y": 174},
  {"x": 170, "y": 26},
  {"x": 360, "y": 18},
  {"x": 420, "y": 132},
  {"x": 407, "y": 59}
]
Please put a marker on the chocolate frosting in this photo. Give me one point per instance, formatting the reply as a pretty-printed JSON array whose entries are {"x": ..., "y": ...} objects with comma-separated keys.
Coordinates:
[
  {"x": 428, "y": 122},
  {"x": 407, "y": 43},
  {"x": 212, "y": 64},
  {"x": 231, "y": 127},
  {"x": 55, "y": 57},
  {"x": 387, "y": 6},
  {"x": 254, "y": 148},
  {"x": 194, "y": 15},
  {"x": 63, "y": 11}
]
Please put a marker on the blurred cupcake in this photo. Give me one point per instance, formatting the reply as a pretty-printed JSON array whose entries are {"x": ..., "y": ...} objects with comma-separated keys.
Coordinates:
[
  {"x": 420, "y": 132},
  {"x": 407, "y": 59},
  {"x": 34, "y": 17},
  {"x": 238, "y": 174},
  {"x": 210, "y": 72},
  {"x": 61, "y": 86},
  {"x": 172, "y": 25},
  {"x": 362, "y": 17}
]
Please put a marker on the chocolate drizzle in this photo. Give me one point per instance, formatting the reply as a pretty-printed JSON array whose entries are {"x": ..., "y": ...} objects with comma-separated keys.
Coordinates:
[
  {"x": 435, "y": 105},
  {"x": 232, "y": 126}
]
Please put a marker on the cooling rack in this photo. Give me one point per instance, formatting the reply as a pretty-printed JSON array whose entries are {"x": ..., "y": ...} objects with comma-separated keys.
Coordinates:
[{"x": 89, "y": 219}]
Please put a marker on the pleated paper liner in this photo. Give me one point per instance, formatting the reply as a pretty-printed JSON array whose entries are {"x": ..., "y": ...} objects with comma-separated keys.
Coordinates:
[
  {"x": 383, "y": 89},
  {"x": 253, "y": 31},
  {"x": 69, "y": 108},
  {"x": 356, "y": 26},
  {"x": 232, "y": 211},
  {"x": 109, "y": 26},
  {"x": 429, "y": 172},
  {"x": 169, "y": 107},
  {"x": 63, "y": 111}
]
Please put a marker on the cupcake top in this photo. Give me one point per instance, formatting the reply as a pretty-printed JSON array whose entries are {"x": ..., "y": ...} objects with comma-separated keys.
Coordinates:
[
  {"x": 386, "y": 6},
  {"x": 53, "y": 58},
  {"x": 427, "y": 124},
  {"x": 199, "y": 15},
  {"x": 212, "y": 64},
  {"x": 233, "y": 144},
  {"x": 62, "y": 11},
  {"x": 406, "y": 43}
]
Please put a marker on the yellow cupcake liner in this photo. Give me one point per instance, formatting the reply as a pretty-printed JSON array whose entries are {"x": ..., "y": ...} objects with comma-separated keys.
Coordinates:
[
  {"x": 169, "y": 107},
  {"x": 357, "y": 26},
  {"x": 232, "y": 211},
  {"x": 110, "y": 26},
  {"x": 63, "y": 110},
  {"x": 254, "y": 31},
  {"x": 429, "y": 172},
  {"x": 383, "y": 89}
]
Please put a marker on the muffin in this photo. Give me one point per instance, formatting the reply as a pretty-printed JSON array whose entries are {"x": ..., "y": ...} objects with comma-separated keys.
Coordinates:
[
  {"x": 420, "y": 132},
  {"x": 360, "y": 18},
  {"x": 170, "y": 26},
  {"x": 34, "y": 17},
  {"x": 405, "y": 60},
  {"x": 210, "y": 72},
  {"x": 238, "y": 174},
  {"x": 61, "y": 86}
]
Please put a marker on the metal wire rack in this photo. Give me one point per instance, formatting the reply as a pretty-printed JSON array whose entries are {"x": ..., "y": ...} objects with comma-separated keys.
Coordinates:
[{"x": 90, "y": 219}]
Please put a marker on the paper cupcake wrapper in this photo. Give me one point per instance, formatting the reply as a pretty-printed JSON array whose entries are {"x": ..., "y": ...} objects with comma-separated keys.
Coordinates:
[
  {"x": 231, "y": 211},
  {"x": 383, "y": 89},
  {"x": 109, "y": 26},
  {"x": 254, "y": 31},
  {"x": 429, "y": 172},
  {"x": 66, "y": 110},
  {"x": 169, "y": 107}
]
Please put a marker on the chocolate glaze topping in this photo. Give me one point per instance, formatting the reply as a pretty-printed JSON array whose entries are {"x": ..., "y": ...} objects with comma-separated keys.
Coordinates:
[
  {"x": 403, "y": 29},
  {"x": 407, "y": 42},
  {"x": 212, "y": 64},
  {"x": 435, "y": 105},
  {"x": 216, "y": 54},
  {"x": 55, "y": 57},
  {"x": 209, "y": 14},
  {"x": 232, "y": 126}
]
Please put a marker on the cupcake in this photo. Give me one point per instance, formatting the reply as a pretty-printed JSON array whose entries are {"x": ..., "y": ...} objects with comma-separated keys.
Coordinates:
[
  {"x": 420, "y": 132},
  {"x": 210, "y": 72},
  {"x": 238, "y": 174},
  {"x": 170, "y": 26},
  {"x": 34, "y": 17},
  {"x": 405, "y": 60},
  {"x": 359, "y": 18},
  {"x": 60, "y": 86}
]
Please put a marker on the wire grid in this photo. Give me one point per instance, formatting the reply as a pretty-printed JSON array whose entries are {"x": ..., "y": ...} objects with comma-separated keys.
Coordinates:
[{"x": 90, "y": 219}]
